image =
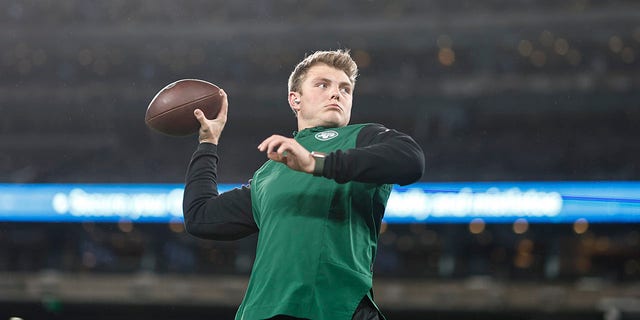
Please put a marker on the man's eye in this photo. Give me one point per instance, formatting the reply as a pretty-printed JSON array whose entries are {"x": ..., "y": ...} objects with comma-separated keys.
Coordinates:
[
  {"x": 322, "y": 85},
  {"x": 346, "y": 90}
]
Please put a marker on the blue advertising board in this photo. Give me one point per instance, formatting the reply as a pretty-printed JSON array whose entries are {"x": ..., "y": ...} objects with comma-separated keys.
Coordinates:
[{"x": 494, "y": 202}]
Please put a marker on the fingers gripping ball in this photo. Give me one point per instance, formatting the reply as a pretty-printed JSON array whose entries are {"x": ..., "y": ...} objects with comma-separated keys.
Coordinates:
[{"x": 171, "y": 110}]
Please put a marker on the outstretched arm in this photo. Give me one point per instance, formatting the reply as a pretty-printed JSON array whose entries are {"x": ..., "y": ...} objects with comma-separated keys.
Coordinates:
[{"x": 381, "y": 155}]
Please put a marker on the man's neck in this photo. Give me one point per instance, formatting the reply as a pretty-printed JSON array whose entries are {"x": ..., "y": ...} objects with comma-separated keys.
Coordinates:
[{"x": 302, "y": 126}]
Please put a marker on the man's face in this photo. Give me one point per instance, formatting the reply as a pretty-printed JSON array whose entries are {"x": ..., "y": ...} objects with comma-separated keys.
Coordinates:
[{"x": 325, "y": 99}]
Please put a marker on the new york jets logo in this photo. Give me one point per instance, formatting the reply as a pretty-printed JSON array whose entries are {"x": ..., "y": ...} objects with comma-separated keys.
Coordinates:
[{"x": 326, "y": 135}]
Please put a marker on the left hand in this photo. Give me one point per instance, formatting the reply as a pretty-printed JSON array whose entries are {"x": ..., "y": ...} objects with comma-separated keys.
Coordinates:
[{"x": 289, "y": 152}]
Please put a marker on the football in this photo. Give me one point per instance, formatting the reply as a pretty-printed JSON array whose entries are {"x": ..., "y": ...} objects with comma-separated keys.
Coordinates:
[{"x": 171, "y": 110}]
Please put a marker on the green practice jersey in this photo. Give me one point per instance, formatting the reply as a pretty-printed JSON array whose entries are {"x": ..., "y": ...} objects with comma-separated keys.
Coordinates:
[{"x": 317, "y": 238}]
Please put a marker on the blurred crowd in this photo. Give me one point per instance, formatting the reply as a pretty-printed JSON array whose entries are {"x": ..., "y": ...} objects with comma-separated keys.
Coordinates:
[
  {"x": 503, "y": 252},
  {"x": 524, "y": 90}
]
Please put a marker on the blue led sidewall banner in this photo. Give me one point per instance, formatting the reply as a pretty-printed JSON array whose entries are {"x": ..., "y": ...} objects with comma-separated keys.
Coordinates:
[
  {"x": 493, "y": 202},
  {"x": 503, "y": 202}
]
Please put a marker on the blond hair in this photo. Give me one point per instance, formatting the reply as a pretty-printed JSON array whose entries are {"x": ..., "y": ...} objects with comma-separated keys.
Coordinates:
[{"x": 339, "y": 59}]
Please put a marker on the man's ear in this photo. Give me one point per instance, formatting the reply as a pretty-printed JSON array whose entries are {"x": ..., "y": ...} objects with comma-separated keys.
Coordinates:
[{"x": 294, "y": 101}]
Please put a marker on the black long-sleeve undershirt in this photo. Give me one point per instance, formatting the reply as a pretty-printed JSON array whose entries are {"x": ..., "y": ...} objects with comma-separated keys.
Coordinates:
[{"x": 381, "y": 156}]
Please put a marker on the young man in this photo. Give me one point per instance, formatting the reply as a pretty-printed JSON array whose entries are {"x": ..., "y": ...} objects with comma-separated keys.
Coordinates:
[{"x": 316, "y": 204}]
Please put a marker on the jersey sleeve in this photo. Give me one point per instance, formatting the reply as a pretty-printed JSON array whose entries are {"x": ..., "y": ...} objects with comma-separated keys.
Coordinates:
[
  {"x": 208, "y": 214},
  {"x": 381, "y": 155}
]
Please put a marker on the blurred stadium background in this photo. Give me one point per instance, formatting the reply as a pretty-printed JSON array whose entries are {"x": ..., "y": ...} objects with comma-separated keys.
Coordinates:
[{"x": 515, "y": 90}]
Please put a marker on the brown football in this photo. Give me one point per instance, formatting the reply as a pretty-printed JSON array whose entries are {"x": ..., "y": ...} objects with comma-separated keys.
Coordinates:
[{"x": 171, "y": 110}]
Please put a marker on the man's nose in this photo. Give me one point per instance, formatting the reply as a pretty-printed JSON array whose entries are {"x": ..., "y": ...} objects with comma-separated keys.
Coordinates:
[{"x": 335, "y": 93}]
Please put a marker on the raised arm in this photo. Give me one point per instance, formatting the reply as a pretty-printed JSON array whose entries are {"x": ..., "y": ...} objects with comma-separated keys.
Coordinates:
[{"x": 207, "y": 213}]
